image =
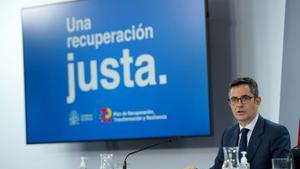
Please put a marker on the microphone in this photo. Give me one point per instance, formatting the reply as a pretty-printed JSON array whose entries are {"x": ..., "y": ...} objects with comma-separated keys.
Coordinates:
[{"x": 147, "y": 147}]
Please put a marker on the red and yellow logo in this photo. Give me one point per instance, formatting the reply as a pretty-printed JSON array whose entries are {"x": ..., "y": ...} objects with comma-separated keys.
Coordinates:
[{"x": 106, "y": 115}]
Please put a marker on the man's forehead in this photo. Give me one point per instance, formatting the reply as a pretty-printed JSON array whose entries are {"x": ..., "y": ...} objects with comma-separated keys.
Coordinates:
[{"x": 239, "y": 90}]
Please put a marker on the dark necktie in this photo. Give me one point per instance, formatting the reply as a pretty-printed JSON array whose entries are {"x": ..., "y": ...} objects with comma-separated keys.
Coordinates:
[{"x": 243, "y": 141}]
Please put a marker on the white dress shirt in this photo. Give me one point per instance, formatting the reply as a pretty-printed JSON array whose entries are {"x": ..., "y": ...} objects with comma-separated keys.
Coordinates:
[{"x": 250, "y": 126}]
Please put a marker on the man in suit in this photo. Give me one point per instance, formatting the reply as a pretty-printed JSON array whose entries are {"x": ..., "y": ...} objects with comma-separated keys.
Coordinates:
[{"x": 261, "y": 138}]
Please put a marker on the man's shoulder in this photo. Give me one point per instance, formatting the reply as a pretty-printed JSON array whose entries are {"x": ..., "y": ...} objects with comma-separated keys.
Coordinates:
[
  {"x": 276, "y": 137},
  {"x": 271, "y": 128},
  {"x": 262, "y": 125},
  {"x": 270, "y": 125},
  {"x": 232, "y": 129}
]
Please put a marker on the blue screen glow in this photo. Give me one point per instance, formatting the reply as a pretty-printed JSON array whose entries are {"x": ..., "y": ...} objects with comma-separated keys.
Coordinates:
[{"x": 111, "y": 69}]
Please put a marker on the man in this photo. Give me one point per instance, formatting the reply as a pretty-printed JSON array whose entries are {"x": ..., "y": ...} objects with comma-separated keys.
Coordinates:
[{"x": 262, "y": 139}]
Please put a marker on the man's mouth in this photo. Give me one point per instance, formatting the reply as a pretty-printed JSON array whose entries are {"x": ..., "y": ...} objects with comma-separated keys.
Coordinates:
[{"x": 241, "y": 112}]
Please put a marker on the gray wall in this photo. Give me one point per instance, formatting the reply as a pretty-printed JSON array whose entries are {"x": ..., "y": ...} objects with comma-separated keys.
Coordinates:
[
  {"x": 243, "y": 36},
  {"x": 257, "y": 40},
  {"x": 289, "y": 110}
]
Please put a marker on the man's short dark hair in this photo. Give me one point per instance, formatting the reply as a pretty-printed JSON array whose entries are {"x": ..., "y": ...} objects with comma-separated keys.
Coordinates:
[{"x": 247, "y": 81}]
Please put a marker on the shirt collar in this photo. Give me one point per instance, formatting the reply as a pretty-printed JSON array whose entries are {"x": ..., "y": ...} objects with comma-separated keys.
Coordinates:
[{"x": 251, "y": 125}]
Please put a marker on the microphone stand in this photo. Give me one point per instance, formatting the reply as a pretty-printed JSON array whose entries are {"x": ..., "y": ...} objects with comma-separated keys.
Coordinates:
[{"x": 146, "y": 147}]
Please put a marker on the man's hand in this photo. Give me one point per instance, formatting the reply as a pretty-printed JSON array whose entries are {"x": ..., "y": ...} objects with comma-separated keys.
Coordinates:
[{"x": 190, "y": 167}]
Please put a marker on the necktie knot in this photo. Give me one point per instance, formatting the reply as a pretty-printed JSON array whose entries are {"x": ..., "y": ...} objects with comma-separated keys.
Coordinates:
[{"x": 244, "y": 131}]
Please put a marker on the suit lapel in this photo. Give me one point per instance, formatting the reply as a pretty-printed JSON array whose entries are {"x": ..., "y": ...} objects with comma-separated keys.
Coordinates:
[
  {"x": 255, "y": 138},
  {"x": 234, "y": 139}
]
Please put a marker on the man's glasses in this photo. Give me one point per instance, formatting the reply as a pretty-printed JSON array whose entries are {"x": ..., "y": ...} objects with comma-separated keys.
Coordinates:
[{"x": 244, "y": 100}]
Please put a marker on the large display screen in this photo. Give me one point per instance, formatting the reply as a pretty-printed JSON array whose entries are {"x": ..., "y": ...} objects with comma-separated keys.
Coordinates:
[{"x": 113, "y": 69}]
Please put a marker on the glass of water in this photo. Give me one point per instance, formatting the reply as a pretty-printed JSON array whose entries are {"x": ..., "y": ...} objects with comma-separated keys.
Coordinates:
[
  {"x": 281, "y": 163},
  {"x": 106, "y": 161}
]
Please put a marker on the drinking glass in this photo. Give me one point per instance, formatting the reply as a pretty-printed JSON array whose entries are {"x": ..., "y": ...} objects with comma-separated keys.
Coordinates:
[
  {"x": 106, "y": 161},
  {"x": 231, "y": 158},
  {"x": 281, "y": 163}
]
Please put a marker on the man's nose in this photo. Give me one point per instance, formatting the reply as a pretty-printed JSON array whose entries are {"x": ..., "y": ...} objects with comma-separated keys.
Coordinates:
[{"x": 239, "y": 103}]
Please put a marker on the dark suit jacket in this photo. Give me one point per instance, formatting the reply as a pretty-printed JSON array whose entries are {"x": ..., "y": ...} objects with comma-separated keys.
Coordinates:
[{"x": 268, "y": 140}]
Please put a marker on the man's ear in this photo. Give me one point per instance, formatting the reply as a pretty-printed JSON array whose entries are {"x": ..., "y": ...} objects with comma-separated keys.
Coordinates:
[{"x": 258, "y": 100}]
